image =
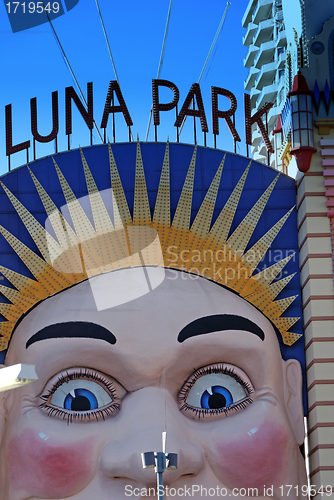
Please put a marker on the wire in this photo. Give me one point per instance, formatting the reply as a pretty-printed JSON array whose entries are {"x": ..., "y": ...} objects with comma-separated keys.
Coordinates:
[
  {"x": 67, "y": 62},
  {"x": 107, "y": 41},
  {"x": 214, "y": 40},
  {"x": 160, "y": 61},
  {"x": 210, "y": 51},
  {"x": 109, "y": 49}
]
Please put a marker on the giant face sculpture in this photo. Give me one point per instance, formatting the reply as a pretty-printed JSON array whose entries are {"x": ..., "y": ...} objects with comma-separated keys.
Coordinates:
[{"x": 168, "y": 349}]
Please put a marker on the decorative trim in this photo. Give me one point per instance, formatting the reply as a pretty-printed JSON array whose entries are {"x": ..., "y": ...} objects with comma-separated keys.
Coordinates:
[
  {"x": 320, "y": 425},
  {"x": 315, "y": 256},
  {"x": 311, "y": 214},
  {"x": 321, "y": 468},
  {"x": 306, "y": 195},
  {"x": 318, "y": 297},
  {"x": 324, "y": 125},
  {"x": 321, "y": 447},
  {"x": 319, "y": 339},
  {"x": 321, "y": 403},
  {"x": 320, "y": 382},
  {"x": 314, "y": 235},
  {"x": 318, "y": 318},
  {"x": 317, "y": 277},
  {"x": 320, "y": 360}
]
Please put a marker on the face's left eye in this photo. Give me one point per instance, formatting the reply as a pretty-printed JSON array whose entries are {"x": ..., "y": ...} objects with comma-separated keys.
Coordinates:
[
  {"x": 215, "y": 390},
  {"x": 82, "y": 394}
]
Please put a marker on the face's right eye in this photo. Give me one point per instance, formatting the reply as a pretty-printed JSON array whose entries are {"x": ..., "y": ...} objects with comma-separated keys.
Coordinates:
[{"x": 82, "y": 394}]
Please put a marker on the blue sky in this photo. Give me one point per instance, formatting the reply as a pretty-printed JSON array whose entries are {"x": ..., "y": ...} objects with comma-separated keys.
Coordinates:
[{"x": 32, "y": 66}]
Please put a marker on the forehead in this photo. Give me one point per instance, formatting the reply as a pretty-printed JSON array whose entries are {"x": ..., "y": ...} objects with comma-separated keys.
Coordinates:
[
  {"x": 141, "y": 305},
  {"x": 146, "y": 329}
]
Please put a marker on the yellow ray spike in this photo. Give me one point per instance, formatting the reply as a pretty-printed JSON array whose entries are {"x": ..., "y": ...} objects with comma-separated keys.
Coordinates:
[
  {"x": 67, "y": 238},
  {"x": 161, "y": 217},
  {"x": 265, "y": 277},
  {"x": 20, "y": 300},
  {"x": 141, "y": 207},
  {"x": 3, "y": 341},
  {"x": 83, "y": 229},
  {"x": 24, "y": 284},
  {"x": 107, "y": 240},
  {"x": 202, "y": 222},
  {"x": 101, "y": 217},
  {"x": 65, "y": 234},
  {"x": 178, "y": 233},
  {"x": 10, "y": 312},
  {"x": 121, "y": 210},
  {"x": 51, "y": 280},
  {"x": 219, "y": 232},
  {"x": 45, "y": 243},
  {"x": 6, "y": 328},
  {"x": 256, "y": 253},
  {"x": 245, "y": 267},
  {"x": 181, "y": 218},
  {"x": 241, "y": 236},
  {"x": 82, "y": 226},
  {"x": 283, "y": 324},
  {"x": 276, "y": 308},
  {"x": 264, "y": 297},
  {"x": 290, "y": 338}
]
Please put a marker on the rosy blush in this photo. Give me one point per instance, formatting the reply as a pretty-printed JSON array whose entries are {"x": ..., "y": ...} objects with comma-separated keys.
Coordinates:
[
  {"x": 42, "y": 468},
  {"x": 255, "y": 459}
]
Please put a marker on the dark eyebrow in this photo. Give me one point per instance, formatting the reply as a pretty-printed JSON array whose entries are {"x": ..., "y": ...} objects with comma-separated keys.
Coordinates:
[
  {"x": 218, "y": 323},
  {"x": 73, "y": 329}
]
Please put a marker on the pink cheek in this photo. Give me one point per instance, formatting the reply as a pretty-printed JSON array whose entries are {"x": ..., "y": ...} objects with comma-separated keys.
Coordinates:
[
  {"x": 45, "y": 469},
  {"x": 255, "y": 459}
]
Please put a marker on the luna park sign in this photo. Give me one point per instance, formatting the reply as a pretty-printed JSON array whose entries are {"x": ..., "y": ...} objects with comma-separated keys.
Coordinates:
[{"x": 111, "y": 108}]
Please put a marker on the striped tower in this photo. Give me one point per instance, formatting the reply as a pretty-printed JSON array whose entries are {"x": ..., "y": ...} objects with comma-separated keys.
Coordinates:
[{"x": 316, "y": 244}]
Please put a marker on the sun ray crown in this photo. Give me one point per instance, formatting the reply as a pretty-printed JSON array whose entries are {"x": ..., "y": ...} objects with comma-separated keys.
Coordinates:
[{"x": 117, "y": 241}]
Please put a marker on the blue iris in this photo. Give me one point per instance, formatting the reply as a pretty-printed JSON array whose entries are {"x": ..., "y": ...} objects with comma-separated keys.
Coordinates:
[
  {"x": 219, "y": 398},
  {"x": 84, "y": 400}
]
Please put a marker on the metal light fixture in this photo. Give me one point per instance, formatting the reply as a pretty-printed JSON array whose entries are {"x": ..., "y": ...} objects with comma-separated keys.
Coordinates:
[
  {"x": 161, "y": 461},
  {"x": 15, "y": 376},
  {"x": 302, "y": 122}
]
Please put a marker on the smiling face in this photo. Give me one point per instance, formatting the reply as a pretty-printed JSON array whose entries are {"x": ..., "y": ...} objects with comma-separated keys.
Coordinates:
[{"x": 189, "y": 357}]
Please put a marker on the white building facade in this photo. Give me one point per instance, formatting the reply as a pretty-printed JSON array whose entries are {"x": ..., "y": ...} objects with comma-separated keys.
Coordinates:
[{"x": 265, "y": 37}]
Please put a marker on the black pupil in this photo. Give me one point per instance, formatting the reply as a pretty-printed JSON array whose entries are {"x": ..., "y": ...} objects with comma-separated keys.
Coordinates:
[
  {"x": 216, "y": 401},
  {"x": 80, "y": 403}
]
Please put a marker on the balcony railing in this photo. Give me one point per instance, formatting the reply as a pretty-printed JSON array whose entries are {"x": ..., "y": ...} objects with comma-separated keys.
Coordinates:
[
  {"x": 266, "y": 75},
  {"x": 280, "y": 39},
  {"x": 251, "y": 77},
  {"x": 264, "y": 32},
  {"x": 247, "y": 39},
  {"x": 247, "y": 17},
  {"x": 265, "y": 54},
  {"x": 267, "y": 94},
  {"x": 250, "y": 56},
  {"x": 262, "y": 10}
]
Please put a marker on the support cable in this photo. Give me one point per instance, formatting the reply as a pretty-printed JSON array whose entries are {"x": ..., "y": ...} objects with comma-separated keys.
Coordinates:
[
  {"x": 67, "y": 62},
  {"x": 107, "y": 41},
  {"x": 210, "y": 51},
  {"x": 109, "y": 50},
  {"x": 160, "y": 61}
]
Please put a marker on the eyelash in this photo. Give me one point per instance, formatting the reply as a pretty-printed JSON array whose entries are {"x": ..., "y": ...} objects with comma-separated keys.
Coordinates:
[
  {"x": 98, "y": 414},
  {"x": 201, "y": 412}
]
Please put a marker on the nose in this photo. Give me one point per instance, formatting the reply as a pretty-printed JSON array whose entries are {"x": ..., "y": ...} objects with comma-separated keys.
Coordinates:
[{"x": 139, "y": 429}]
